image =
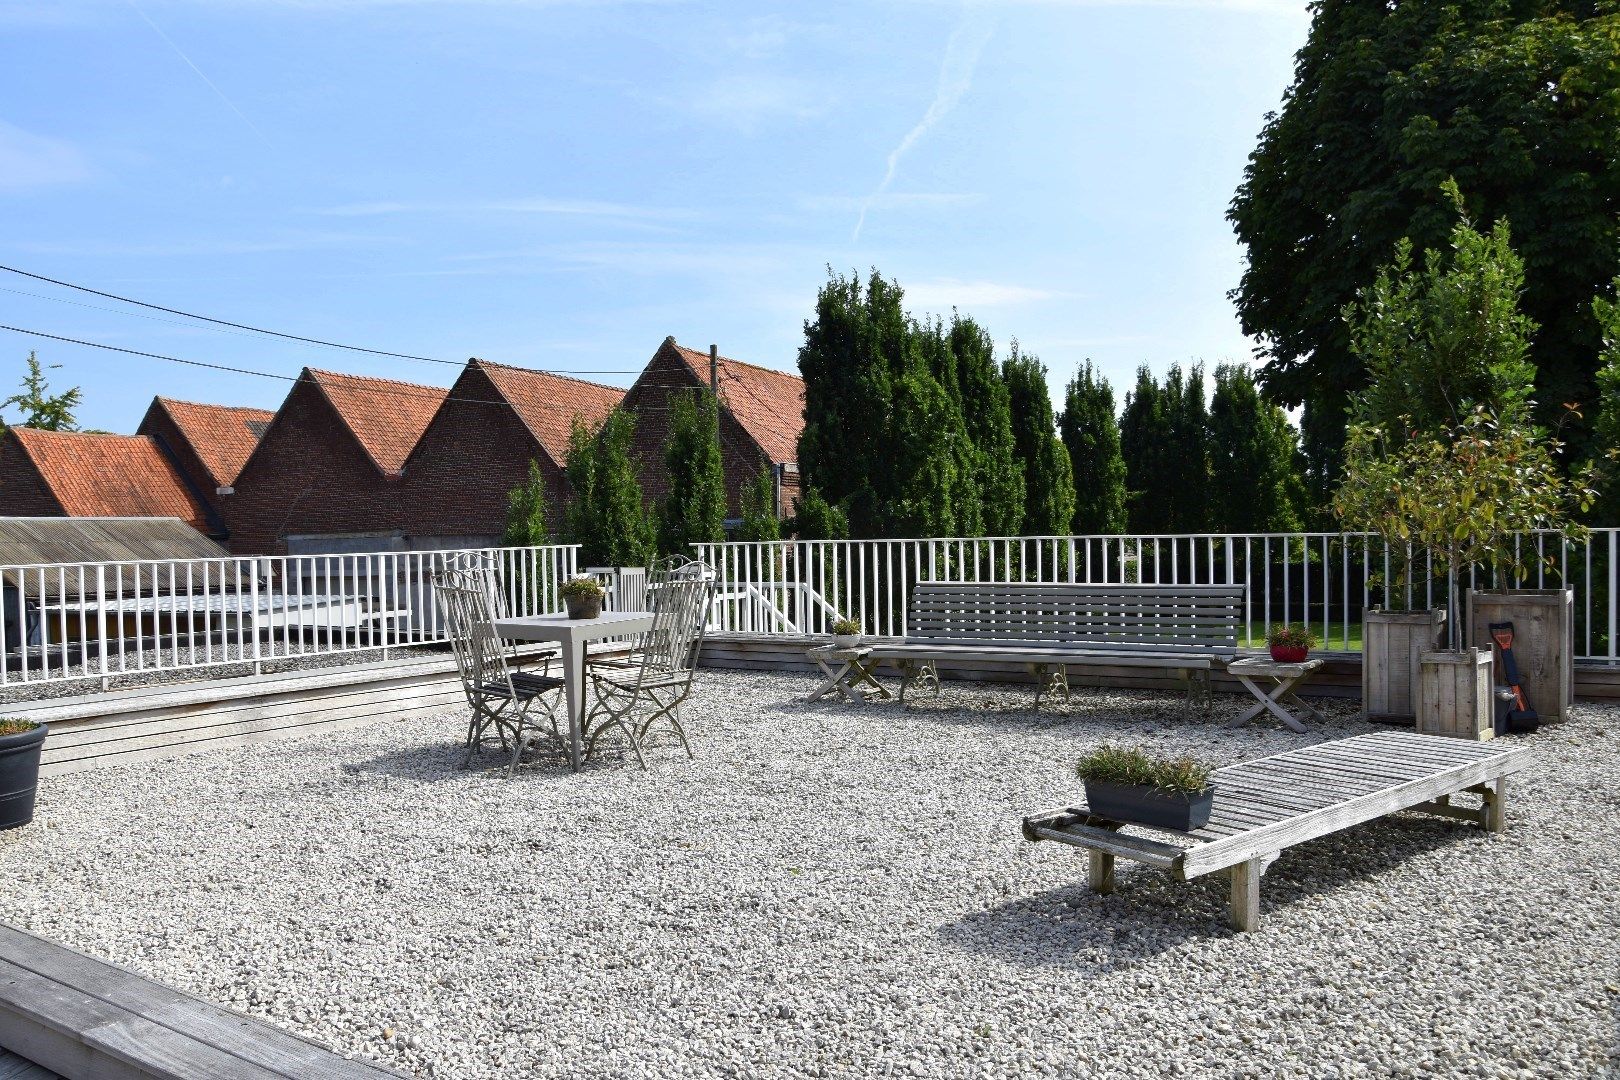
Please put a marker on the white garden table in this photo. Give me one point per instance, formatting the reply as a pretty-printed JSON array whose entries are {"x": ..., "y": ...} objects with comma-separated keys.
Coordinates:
[{"x": 573, "y": 635}]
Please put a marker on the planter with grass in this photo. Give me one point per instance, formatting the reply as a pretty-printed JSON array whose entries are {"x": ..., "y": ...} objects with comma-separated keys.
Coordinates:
[
  {"x": 846, "y": 633},
  {"x": 1130, "y": 785},
  {"x": 1292, "y": 643},
  {"x": 582, "y": 596},
  {"x": 20, "y": 742}
]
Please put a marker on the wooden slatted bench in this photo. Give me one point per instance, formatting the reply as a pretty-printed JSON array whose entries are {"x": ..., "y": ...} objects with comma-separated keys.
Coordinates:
[
  {"x": 1273, "y": 803},
  {"x": 85, "y": 1019},
  {"x": 1051, "y": 627}
]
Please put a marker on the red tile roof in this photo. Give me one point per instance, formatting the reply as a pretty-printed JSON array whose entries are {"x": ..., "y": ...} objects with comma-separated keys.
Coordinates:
[
  {"x": 221, "y": 435},
  {"x": 109, "y": 475},
  {"x": 547, "y": 403},
  {"x": 386, "y": 416},
  {"x": 769, "y": 404}
]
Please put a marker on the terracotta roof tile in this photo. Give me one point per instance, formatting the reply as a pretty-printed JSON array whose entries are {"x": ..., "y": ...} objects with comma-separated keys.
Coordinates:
[
  {"x": 109, "y": 475},
  {"x": 221, "y": 435},
  {"x": 769, "y": 404},
  {"x": 386, "y": 416},
  {"x": 547, "y": 403}
]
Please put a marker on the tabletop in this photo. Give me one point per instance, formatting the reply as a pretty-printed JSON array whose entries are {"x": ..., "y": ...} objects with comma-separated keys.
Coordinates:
[
  {"x": 562, "y": 628},
  {"x": 1265, "y": 665}
]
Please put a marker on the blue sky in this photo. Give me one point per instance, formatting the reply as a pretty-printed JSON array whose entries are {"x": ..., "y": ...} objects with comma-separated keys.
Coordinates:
[{"x": 560, "y": 185}]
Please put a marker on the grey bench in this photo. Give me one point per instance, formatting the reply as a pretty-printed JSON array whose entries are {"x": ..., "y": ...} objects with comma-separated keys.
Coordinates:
[{"x": 1050, "y": 628}]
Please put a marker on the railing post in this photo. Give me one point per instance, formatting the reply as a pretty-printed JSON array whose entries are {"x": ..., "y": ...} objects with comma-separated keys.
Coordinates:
[
  {"x": 101, "y": 625},
  {"x": 253, "y": 620}
]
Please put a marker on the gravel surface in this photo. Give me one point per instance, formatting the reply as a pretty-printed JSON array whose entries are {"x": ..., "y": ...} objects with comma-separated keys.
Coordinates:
[
  {"x": 833, "y": 890},
  {"x": 275, "y": 657}
]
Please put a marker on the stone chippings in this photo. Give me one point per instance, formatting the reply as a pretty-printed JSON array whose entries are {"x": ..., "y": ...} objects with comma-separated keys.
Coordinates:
[{"x": 831, "y": 890}]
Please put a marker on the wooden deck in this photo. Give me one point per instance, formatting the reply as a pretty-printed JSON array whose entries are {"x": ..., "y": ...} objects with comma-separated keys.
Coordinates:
[
  {"x": 1265, "y": 806},
  {"x": 67, "y": 1014}
]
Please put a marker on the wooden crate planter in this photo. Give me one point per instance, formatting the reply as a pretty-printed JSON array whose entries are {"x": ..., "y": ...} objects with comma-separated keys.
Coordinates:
[
  {"x": 1544, "y": 641},
  {"x": 1455, "y": 695},
  {"x": 1393, "y": 643}
]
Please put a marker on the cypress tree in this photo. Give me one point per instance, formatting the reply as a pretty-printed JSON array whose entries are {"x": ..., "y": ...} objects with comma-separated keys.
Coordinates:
[
  {"x": 1048, "y": 482},
  {"x": 526, "y": 524},
  {"x": 1256, "y": 479},
  {"x": 1144, "y": 436},
  {"x": 986, "y": 405},
  {"x": 694, "y": 510},
  {"x": 1187, "y": 426},
  {"x": 607, "y": 518},
  {"x": 759, "y": 521},
  {"x": 1090, "y": 432},
  {"x": 814, "y": 518}
]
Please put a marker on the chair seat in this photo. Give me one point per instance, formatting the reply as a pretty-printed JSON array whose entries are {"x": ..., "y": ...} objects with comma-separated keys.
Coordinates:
[
  {"x": 634, "y": 678},
  {"x": 526, "y": 684}
]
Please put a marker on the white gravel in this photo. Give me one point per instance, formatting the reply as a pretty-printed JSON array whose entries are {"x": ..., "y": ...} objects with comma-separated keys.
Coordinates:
[{"x": 832, "y": 890}]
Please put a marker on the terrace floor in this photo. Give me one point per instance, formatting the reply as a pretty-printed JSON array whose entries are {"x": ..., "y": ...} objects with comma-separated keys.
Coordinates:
[{"x": 832, "y": 890}]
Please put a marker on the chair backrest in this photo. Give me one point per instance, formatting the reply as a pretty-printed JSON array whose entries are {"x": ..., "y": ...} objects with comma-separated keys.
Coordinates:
[
  {"x": 480, "y": 568},
  {"x": 678, "y": 591},
  {"x": 468, "y": 617},
  {"x": 1152, "y": 617}
]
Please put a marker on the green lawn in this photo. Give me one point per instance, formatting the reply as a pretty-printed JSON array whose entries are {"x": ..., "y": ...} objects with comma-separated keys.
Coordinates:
[{"x": 1333, "y": 641}]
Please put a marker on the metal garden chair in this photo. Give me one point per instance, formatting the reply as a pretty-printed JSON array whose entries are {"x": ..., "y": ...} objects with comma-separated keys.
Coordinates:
[
  {"x": 517, "y": 706},
  {"x": 633, "y": 695}
]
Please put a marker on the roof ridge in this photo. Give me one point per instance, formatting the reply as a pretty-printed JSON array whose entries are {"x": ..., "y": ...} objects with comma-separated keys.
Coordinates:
[
  {"x": 211, "y": 405},
  {"x": 84, "y": 434},
  {"x": 377, "y": 379},
  {"x": 550, "y": 374},
  {"x": 741, "y": 363}
]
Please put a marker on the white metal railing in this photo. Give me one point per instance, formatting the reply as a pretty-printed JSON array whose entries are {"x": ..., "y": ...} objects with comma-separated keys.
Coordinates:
[
  {"x": 101, "y": 620},
  {"x": 1322, "y": 579}
]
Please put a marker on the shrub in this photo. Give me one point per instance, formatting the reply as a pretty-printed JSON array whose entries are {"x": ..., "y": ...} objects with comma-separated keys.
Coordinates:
[
  {"x": 15, "y": 727},
  {"x": 575, "y": 588},
  {"x": 1292, "y": 636},
  {"x": 846, "y": 626},
  {"x": 1138, "y": 768}
]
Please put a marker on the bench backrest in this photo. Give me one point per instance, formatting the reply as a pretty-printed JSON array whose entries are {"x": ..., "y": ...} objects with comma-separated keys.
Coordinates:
[{"x": 1093, "y": 616}]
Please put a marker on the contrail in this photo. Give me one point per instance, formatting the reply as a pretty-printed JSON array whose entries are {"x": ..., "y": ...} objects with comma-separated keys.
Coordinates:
[
  {"x": 962, "y": 51},
  {"x": 181, "y": 54}
]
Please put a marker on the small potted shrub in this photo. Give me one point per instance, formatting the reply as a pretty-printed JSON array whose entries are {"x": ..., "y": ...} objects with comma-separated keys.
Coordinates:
[
  {"x": 846, "y": 633},
  {"x": 1292, "y": 643},
  {"x": 583, "y": 597},
  {"x": 1128, "y": 784},
  {"x": 20, "y": 742}
]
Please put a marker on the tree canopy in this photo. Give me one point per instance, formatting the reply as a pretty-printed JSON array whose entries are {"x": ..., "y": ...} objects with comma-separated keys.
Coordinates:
[
  {"x": 607, "y": 518},
  {"x": 1255, "y": 477},
  {"x": 1048, "y": 481},
  {"x": 1090, "y": 432},
  {"x": 526, "y": 524},
  {"x": 694, "y": 508},
  {"x": 1519, "y": 100},
  {"x": 39, "y": 407}
]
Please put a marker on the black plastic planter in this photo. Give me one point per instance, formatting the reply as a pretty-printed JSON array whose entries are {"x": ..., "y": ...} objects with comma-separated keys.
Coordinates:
[
  {"x": 19, "y": 776},
  {"x": 1149, "y": 806}
]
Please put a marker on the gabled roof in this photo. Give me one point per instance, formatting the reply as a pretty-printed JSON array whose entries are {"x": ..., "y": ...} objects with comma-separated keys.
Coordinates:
[
  {"x": 769, "y": 404},
  {"x": 109, "y": 475},
  {"x": 386, "y": 416},
  {"x": 222, "y": 436},
  {"x": 547, "y": 403}
]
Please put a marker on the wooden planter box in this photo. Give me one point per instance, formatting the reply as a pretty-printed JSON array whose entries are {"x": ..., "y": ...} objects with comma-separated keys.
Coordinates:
[
  {"x": 1543, "y": 641},
  {"x": 1393, "y": 643},
  {"x": 1455, "y": 695}
]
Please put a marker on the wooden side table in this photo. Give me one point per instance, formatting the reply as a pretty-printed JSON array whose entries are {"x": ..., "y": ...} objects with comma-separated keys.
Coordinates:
[
  {"x": 853, "y": 679},
  {"x": 1285, "y": 678}
]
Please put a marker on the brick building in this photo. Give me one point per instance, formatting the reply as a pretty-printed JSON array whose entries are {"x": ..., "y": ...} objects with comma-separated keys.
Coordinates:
[
  {"x": 209, "y": 444},
  {"x": 76, "y": 474},
  {"x": 478, "y": 447},
  {"x": 761, "y": 415},
  {"x": 327, "y": 474}
]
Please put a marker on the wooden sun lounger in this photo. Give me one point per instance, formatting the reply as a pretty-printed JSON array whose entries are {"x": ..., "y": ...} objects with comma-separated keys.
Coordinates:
[{"x": 1273, "y": 803}]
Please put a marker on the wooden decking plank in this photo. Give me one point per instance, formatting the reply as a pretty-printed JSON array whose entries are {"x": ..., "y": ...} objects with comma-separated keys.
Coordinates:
[
  {"x": 13, "y": 1067},
  {"x": 253, "y": 1043},
  {"x": 1350, "y": 783},
  {"x": 1348, "y": 766},
  {"x": 1293, "y": 799},
  {"x": 1365, "y": 760}
]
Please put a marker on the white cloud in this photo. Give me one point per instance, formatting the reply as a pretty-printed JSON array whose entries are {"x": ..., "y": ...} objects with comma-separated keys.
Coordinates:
[
  {"x": 35, "y": 161},
  {"x": 962, "y": 51},
  {"x": 942, "y": 294}
]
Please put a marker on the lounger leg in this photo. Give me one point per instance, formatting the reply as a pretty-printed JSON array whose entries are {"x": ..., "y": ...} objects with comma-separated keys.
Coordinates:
[
  {"x": 1496, "y": 806},
  {"x": 1245, "y": 914},
  {"x": 1102, "y": 872}
]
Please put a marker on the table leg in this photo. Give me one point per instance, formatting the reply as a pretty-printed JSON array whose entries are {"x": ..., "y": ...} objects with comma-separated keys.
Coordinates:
[
  {"x": 573, "y": 658},
  {"x": 1269, "y": 703},
  {"x": 828, "y": 684},
  {"x": 864, "y": 677},
  {"x": 1254, "y": 711}
]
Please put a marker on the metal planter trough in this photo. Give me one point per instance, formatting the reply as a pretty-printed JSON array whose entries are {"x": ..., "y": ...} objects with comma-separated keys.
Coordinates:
[{"x": 1149, "y": 806}]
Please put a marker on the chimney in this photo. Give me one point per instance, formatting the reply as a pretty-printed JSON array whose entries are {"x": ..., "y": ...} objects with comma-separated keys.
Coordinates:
[{"x": 714, "y": 370}]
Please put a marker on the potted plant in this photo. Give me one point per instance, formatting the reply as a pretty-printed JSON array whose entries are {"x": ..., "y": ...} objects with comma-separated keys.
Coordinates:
[
  {"x": 20, "y": 742},
  {"x": 1291, "y": 643},
  {"x": 1128, "y": 784},
  {"x": 846, "y": 633},
  {"x": 583, "y": 597}
]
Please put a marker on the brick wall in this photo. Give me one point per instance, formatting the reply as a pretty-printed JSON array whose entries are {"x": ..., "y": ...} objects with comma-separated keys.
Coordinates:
[
  {"x": 177, "y": 448},
  {"x": 22, "y": 491},
  {"x": 308, "y": 475},
  {"x": 471, "y": 455},
  {"x": 650, "y": 401}
]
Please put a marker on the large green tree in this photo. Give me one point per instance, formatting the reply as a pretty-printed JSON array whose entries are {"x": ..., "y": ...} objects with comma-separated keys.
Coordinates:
[
  {"x": 1519, "y": 100},
  {"x": 1255, "y": 481},
  {"x": 1187, "y": 427},
  {"x": 607, "y": 517},
  {"x": 694, "y": 508},
  {"x": 1048, "y": 481},
  {"x": 1090, "y": 432},
  {"x": 39, "y": 407},
  {"x": 1606, "y": 422},
  {"x": 1144, "y": 438},
  {"x": 986, "y": 405},
  {"x": 883, "y": 439}
]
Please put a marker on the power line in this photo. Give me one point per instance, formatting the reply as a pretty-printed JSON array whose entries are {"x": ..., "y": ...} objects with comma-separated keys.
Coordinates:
[{"x": 154, "y": 356}]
